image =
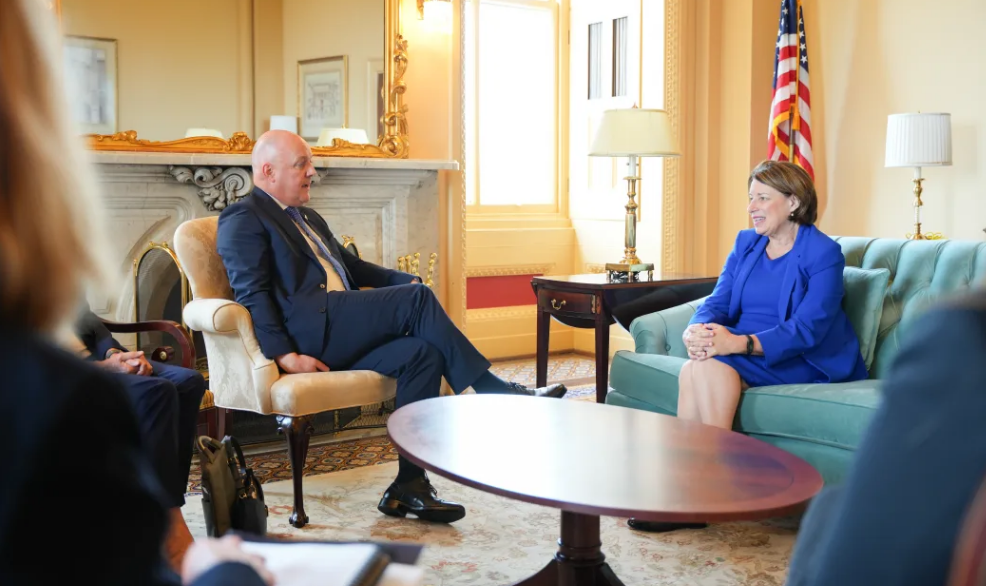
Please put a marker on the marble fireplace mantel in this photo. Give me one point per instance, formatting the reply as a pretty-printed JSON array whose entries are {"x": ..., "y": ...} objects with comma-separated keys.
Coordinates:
[{"x": 390, "y": 206}]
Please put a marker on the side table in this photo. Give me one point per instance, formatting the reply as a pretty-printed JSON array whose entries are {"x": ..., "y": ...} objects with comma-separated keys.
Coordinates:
[{"x": 586, "y": 301}]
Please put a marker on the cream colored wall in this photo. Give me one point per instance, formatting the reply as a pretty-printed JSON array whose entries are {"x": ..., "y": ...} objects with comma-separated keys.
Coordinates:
[
  {"x": 326, "y": 28},
  {"x": 268, "y": 55},
  {"x": 877, "y": 57},
  {"x": 164, "y": 84}
]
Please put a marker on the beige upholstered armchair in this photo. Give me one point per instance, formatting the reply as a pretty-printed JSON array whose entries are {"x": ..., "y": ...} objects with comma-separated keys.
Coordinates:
[{"x": 241, "y": 377}]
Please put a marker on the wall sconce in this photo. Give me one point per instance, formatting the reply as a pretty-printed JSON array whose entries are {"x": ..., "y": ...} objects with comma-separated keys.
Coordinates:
[{"x": 437, "y": 14}]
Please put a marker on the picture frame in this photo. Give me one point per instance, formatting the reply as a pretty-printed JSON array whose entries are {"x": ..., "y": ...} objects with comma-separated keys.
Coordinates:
[
  {"x": 376, "y": 98},
  {"x": 91, "y": 79},
  {"x": 323, "y": 95}
]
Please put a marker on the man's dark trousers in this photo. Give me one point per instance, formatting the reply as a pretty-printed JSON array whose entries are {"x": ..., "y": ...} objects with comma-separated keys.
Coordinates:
[
  {"x": 167, "y": 405},
  {"x": 400, "y": 332}
]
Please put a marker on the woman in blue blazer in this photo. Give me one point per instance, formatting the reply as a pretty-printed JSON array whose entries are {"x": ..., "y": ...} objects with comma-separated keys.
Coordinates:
[{"x": 775, "y": 316}]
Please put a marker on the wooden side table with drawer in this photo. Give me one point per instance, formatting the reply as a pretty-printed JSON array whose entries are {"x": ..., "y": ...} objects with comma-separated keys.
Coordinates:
[{"x": 586, "y": 301}]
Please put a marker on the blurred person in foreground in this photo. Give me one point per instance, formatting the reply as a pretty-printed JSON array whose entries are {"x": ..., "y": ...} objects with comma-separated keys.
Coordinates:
[
  {"x": 896, "y": 519},
  {"x": 76, "y": 482}
]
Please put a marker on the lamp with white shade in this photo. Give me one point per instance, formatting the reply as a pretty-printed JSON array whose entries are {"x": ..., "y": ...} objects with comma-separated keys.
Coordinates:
[
  {"x": 197, "y": 132},
  {"x": 633, "y": 133},
  {"x": 919, "y": 140},
  {"x": 282, "y": 122},
  {"x": 353, "y": 135}
]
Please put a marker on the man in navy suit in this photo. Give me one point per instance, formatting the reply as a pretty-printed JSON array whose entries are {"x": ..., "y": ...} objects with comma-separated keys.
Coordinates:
[
  {"x": 303, "y": 291},
  {"x": 166, "y": 400}
]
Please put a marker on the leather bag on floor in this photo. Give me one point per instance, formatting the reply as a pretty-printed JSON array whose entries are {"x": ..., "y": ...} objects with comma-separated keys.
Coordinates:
[{"x": 231, "y": 495}]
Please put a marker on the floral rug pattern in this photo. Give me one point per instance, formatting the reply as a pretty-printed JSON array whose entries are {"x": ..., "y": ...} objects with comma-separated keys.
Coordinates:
[{"x": 502, "y": 541}]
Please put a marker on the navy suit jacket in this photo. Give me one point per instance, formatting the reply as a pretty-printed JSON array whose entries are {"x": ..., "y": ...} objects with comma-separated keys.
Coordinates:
[
  {"x": 812, "y": 323},
  {"x": 78, "y": 458},
  {"x": 275, "y": 274}
]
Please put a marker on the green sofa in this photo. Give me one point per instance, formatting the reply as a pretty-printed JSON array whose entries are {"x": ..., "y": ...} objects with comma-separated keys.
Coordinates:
[{"x": 822, "y": 423}]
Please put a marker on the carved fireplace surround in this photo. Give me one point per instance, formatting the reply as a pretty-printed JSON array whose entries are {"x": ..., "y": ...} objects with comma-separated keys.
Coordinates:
[{"x": 390, "y": 206}]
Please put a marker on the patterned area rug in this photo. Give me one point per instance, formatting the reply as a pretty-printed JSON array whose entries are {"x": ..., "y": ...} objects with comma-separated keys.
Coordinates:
[
  {"x": 501, "y": 541},
  {"x": 273, "y": 466}
]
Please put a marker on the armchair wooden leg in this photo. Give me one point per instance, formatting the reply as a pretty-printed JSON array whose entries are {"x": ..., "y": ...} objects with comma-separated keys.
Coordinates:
[
  {"x": 297, "y": 431},
  {"x": 224, "y": 422}
]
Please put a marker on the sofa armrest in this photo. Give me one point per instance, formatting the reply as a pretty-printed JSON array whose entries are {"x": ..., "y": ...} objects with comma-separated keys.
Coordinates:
[{"x": 660, "y": 332}]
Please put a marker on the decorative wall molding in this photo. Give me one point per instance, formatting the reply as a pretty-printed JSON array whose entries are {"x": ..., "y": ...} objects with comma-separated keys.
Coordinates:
[
  {"x": 219, "y": 187},
  {"x": 509, "y": 270},
  {"x": 671, "y": 258},
  {"x": 591, "y": 267},
  {"x": 501, "y": 313}
]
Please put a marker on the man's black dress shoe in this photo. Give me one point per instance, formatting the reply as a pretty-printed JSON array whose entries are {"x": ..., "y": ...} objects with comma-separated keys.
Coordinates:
[
  {"x": 553, "y": 391},
  {"x": 419, "y": 497},
  {"x": 660, "y": 527}
]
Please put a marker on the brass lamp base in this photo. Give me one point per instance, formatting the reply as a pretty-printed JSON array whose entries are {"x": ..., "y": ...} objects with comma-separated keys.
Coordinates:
[{"x": 625, "y": 273}]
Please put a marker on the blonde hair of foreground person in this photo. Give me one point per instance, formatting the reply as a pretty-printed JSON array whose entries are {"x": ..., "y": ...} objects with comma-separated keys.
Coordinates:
[{"x": 49, "y": 234}]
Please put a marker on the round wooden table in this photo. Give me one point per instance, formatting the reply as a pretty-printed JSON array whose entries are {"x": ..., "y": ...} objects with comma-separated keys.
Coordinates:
[{"x": 589, "y": 459}]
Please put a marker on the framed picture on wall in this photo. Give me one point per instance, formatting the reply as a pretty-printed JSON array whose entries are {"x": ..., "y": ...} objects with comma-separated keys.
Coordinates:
[
  {"x": 90, "y": 70},
  {"x": 376, "y": 101},
  {"x": 323, "y": 95}
]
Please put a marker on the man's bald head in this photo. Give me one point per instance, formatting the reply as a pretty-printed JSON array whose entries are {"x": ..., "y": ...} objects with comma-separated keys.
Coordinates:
[{"x": 282, "y": 166}]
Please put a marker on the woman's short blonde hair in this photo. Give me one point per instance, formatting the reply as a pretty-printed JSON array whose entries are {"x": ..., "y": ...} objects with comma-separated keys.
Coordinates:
[
  {"x": 49, "y": 235},
  {"x": 792, "y": 181}
]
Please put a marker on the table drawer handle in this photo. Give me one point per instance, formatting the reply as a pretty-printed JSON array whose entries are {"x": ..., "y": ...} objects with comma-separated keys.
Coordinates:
[{"x": 556, "y": 305}]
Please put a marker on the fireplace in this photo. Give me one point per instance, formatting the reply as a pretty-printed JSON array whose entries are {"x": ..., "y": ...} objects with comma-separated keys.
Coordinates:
[{"x": 391, "y": 208}]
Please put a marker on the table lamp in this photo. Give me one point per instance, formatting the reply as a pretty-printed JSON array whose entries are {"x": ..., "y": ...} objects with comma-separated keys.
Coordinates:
[
  {"x": 353, "y": 135},
  {"x": 919, "y": 140},
  {"x": 197, "y": 132},
  {"x": 632, "y": 133},
  {"x": 284, "y": 122}
]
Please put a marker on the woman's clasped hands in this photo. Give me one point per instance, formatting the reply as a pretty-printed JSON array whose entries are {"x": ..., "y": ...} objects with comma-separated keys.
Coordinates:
[{"x": 703, "y": 341}]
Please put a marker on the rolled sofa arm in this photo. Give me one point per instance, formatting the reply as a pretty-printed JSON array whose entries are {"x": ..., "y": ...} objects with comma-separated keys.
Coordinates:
[{"x": 660, "y": 332}]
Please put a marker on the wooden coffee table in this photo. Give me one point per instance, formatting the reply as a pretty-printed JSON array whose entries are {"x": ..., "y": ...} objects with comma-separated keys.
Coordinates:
[{"x": 589, "y": 459}]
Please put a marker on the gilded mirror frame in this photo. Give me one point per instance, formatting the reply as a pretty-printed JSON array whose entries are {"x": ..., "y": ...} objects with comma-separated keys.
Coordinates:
[{"x": 393, "y": 144}]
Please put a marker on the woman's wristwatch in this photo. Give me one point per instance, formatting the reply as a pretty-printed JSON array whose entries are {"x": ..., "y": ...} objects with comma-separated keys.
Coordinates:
[{"x": 749, "y": 344}]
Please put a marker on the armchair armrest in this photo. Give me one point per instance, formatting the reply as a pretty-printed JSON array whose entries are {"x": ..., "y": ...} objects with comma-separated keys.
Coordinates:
[
  {"x": 660, "y": 332},
  {"x": 222, "y": 316},
  {"x": 179, "y": 333}
]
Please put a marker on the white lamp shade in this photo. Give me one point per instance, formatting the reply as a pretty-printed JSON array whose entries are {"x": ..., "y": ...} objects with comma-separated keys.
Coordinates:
[
  {"x": 919, "y": 140},
  {"x": 634, "y": 131},
  {"x": 354, "y": 135},
  {"x": 280, "y": 122},
  {"x": 194, "y": 132}
]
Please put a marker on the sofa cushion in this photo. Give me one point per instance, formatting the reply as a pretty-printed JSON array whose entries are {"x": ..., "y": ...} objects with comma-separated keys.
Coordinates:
[
  {"x": 827, "y": 414},
  {"x": 863, "y": 304},
  {"x": 830, "y": 414},
  {"x": 649, "y": 378}
]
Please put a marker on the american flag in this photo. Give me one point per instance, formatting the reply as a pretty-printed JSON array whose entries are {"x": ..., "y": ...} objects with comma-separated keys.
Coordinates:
[{"x": 790, "y": 110}]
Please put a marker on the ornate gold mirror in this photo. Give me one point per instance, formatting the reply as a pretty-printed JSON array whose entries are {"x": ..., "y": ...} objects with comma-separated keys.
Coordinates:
[{"x": 186, "y": 76}]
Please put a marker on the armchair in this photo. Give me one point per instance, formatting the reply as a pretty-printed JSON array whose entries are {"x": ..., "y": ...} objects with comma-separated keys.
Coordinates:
[{"x": 241, "y": 377}]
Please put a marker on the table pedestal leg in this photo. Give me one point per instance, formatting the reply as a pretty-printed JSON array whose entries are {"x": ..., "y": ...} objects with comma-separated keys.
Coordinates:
[{"x": 579, "y": 561}]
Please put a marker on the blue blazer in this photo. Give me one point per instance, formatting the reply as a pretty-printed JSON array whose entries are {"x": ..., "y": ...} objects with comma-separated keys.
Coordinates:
[
  {"x": 813, "y": 323},
  {"x": 277, "y": 277}
]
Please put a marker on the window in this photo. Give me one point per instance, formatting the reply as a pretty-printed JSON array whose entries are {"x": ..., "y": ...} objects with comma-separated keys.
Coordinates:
[
  {"x": 512, "y": 80},
  {"x": 620, "y": 56},
  {"x": 595, "y": 60}
]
